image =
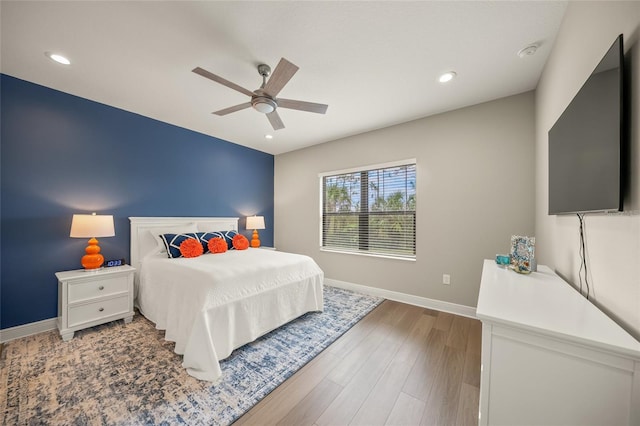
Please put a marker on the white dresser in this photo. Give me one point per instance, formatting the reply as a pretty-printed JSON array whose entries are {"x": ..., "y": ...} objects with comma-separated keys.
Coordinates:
[
  {"x": 88, "y": 298},
  {"x": 550, "y": 357}
]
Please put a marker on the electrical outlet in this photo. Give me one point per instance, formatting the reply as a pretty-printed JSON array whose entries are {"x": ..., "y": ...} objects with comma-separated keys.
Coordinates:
[{"x": 446, "y": 279}]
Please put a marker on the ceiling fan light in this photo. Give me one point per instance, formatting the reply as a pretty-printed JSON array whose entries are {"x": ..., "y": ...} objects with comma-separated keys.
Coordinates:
[{"x": 263, "y": 104}]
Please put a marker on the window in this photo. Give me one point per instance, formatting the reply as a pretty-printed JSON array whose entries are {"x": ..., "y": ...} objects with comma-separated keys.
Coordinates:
[{"x": 371, "y": 210}]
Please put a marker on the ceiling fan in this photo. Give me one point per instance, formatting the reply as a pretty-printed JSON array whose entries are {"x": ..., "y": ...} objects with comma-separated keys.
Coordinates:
[{"x": 264, "y": 99}]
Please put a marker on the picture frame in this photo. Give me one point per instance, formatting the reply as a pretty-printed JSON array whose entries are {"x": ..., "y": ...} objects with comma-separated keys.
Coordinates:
[{"x": 522, "y": 253}]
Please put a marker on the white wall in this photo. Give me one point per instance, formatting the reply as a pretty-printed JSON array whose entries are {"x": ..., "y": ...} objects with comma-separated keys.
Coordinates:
[
  {"x": 613, "y": 241},
  {"x": 475, "y": 183}
]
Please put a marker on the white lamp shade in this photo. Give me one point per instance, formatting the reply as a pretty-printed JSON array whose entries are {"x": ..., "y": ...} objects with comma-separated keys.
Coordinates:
[
  {"x": 92, "y": 225},
  {"x": 255, "y": 222}
]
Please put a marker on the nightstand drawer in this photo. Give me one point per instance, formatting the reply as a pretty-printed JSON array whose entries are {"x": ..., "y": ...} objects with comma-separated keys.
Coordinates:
[
  {"x": 87, "y": 312},
  {"x": 97, "y": 288}
]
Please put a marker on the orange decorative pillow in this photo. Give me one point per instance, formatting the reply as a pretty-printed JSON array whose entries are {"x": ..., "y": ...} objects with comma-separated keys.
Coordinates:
[
  {"x": 240, "y": 242},
  {"x": 191, "y": 248},
  {"x": 217, "y": 245}
]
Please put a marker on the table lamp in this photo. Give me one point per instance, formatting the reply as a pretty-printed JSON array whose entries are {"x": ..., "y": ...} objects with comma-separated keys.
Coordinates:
[
  {"x": 92, "y": 226},
  {"x": 255, "y": 223}
]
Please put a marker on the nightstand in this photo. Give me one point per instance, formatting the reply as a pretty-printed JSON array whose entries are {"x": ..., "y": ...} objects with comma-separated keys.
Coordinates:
[{"x": 88, "y": 298}]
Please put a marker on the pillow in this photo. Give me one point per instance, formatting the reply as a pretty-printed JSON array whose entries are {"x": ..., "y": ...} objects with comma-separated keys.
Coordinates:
[
  {"x": 170, "y": 229},
  {"x": 172, "y": 243},
  {"x": 240, "y": 242},
  {"x": 191, "y": 247},
  {"x": 217, "y": 245},
  {"x": 205, "y": 237},
  {"x": 228, "y": 235}
]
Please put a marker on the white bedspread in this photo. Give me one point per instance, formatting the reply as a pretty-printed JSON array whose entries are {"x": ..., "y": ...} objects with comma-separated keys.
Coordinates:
[{"x": 215, "y": 303}]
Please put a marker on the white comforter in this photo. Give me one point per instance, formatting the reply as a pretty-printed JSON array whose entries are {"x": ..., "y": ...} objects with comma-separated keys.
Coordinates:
[{"x": 215, "y": 303}]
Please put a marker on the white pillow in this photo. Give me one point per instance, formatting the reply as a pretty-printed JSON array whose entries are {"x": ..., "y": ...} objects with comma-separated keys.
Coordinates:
[{"x": 170, "y": 229}]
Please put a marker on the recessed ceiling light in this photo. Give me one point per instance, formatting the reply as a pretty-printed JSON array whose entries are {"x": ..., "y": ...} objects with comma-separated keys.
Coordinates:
[
  {"x": 268, "y": 136},
  {"x": 58, "y": 58},
  {"x": 528, "y": 51},
  {"x": 447, "y": 76}
]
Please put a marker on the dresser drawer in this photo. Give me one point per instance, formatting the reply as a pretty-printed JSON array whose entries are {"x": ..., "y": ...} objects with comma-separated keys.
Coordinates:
[
  {"x": 88, "y": 312},
  {"x": 97, "y": 288}
]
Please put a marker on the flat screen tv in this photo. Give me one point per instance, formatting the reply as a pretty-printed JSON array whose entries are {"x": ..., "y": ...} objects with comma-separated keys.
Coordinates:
[{"x": 586, "y": 143}]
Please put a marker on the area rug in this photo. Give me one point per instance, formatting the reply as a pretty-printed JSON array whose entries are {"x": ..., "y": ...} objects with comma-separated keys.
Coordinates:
[{"x": 128, "y": 374}]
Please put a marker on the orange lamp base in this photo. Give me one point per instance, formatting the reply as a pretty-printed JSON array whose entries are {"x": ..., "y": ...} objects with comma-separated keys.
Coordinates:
[
  {"x": 255, "y": 241},
  {"x": 93, "y": 259}
]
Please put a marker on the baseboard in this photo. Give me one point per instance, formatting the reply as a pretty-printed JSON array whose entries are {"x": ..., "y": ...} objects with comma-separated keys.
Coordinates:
[
  {"x": 27, "y": 329},
  {"x": 423, "y": 302}
]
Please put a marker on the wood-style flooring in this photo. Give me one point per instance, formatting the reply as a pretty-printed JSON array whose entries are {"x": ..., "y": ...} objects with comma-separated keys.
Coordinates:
[{"x": 400, "y": 365}]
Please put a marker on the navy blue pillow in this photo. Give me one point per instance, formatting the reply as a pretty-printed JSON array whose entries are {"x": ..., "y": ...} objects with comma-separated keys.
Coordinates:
[
  {"x": 204, "y": 238},
  {"x": 228, "y": 235},
  {"x": 172, "y": 243}
]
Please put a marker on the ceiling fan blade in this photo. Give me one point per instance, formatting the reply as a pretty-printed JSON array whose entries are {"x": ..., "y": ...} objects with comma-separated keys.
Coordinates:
[
  {"x": 224, "y": 82},
  {"x": 302, "y": 105},
  {"x": 232, "y": 109},
  {"x": 275, "y": 120},
  {"x": 281, "y": 76}
]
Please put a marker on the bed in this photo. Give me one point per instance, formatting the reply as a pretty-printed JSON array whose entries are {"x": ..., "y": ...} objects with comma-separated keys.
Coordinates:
[{"x": 215, "y": 303}]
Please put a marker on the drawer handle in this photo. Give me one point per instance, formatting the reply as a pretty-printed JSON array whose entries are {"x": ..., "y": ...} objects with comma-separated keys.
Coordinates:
[
  {"x": 101, "y": 309},
  {"x": 101, "y": 287}
]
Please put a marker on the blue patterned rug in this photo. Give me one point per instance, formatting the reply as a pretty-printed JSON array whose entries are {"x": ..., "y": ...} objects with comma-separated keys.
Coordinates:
[{"x": 128, "y": 374}]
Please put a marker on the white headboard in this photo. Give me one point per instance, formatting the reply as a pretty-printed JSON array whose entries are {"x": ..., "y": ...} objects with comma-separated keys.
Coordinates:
[{"x": 143, "y": 243}]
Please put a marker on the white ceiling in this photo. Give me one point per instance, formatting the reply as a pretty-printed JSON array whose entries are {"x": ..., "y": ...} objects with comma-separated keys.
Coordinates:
[{"x": 375, "y": 63}]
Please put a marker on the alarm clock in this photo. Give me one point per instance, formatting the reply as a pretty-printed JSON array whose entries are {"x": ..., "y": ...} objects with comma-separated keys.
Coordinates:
[{"x": 114, "y": 262}]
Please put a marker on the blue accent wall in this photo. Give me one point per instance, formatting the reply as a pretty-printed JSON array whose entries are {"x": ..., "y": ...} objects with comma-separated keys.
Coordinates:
[{"x": 61, "y": 154}]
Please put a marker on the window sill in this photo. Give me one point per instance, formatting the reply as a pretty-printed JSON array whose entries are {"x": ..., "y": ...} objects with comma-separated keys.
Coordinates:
[{"x": 358, "y": 253}]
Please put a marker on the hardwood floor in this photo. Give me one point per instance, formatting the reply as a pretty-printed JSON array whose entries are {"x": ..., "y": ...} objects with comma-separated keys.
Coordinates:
[{"x": 400, "y": 365}]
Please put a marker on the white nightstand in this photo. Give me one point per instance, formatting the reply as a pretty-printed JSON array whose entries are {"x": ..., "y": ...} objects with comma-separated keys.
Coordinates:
[{"x": 88, "y": 298}]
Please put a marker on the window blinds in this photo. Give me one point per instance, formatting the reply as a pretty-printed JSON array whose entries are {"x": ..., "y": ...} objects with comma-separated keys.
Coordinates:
[{"x": 371, "y": 211}]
